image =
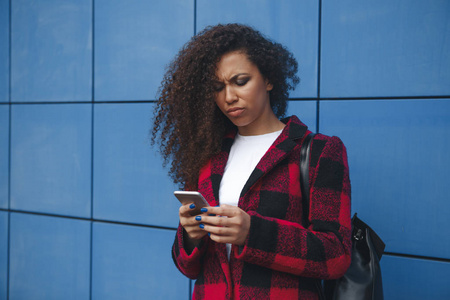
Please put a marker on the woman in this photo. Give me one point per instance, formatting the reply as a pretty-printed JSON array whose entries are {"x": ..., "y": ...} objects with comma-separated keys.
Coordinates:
[{"x": 217, "y": 120}]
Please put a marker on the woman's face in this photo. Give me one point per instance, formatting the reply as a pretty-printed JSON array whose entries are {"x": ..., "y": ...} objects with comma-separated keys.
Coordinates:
[{"x": 242, "y": 93}]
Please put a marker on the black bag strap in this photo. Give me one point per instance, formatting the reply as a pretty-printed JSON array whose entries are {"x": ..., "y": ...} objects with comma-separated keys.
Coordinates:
[{"x": 305, "y": 154}]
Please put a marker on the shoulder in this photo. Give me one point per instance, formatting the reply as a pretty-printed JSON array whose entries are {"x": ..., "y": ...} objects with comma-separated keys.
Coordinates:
[
  {"x": 327, "y": 147},
  {"x": 330, "y": 143}
]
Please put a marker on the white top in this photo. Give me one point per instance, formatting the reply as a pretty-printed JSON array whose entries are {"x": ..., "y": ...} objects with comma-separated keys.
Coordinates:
[{"x": 245, "y": 153}]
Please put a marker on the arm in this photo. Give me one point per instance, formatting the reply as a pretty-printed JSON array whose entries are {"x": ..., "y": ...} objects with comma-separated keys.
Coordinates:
[
  {"x": 189, "y": 245},
  {"x": 323, "y": 249}
]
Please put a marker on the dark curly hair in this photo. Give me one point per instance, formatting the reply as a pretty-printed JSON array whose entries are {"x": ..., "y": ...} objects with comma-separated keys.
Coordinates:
[{"x": 188, "y": 125}]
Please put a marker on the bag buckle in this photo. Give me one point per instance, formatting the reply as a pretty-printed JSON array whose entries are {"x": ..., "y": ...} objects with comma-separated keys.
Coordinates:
[{"x": 359, "y": 235}]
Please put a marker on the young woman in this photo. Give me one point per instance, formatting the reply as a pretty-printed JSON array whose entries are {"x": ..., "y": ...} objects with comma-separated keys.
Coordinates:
[{"x": 218, "y": 122}]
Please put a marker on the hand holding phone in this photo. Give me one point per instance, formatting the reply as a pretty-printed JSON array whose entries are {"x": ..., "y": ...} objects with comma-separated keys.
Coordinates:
[{"x": 186, "y": 197}]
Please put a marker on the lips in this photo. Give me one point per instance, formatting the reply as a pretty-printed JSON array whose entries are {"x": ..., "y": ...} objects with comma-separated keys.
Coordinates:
[{"x": 235, "y": 111}]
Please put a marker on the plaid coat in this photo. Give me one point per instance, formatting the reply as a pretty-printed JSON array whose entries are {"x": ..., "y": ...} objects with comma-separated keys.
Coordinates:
[{"x": 281, "y": 259}]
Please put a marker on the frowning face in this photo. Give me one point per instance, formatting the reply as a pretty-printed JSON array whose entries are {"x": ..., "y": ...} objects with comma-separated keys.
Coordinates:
[{"x": 242, "y": 93}]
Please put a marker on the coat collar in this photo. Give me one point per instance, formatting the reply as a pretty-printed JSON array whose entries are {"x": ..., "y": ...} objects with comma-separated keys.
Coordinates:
[{"x": 289, "y": 138}]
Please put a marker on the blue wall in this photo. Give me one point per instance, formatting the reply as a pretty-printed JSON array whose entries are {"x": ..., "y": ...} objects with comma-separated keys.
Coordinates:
[{"x": 86, "y": 210}]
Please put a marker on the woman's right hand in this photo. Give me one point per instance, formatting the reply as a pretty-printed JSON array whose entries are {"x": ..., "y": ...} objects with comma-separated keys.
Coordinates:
[{"x": 190, "y": 225}]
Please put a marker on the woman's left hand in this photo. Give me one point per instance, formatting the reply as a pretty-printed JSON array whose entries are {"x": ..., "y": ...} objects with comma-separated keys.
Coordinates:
[{"x": 229, "y": 225}]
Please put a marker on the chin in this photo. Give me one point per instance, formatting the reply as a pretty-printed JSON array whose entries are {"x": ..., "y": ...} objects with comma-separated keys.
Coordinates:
[{"x": 240, "y": 123}]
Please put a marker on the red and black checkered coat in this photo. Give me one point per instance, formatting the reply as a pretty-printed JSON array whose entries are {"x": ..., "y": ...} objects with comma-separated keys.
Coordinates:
[{"x": 281, "y": 259}]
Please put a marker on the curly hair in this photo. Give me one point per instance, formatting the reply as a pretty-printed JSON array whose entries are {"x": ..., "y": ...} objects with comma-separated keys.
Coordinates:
[{"x": 188, "y": 125}]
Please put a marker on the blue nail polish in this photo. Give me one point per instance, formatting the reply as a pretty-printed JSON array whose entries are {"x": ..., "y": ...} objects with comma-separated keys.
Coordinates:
[
  {"x": 201, "y": 226},
  {"x": 209, "y": 233},
  {"x": 192, "y": 206},
  {"x": 203, "y": 209},
  {"x": 198, "y": 218}
]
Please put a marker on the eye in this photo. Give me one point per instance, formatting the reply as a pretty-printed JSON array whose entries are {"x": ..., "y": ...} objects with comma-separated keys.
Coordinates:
[
  {"x": 242, "y": 81},
  {"x": 218, "y": 86}
]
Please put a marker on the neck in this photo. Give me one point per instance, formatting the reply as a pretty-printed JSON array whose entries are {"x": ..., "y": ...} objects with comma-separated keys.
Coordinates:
[{"x": 267, "y": 125}]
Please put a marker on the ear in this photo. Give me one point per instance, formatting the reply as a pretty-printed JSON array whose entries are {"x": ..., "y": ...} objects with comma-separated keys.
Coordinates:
[{"x": 269, "y": 86}]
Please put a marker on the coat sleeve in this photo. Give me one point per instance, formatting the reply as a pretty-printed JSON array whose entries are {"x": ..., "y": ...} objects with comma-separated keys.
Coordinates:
[
  {"x": 323, "y": 250},
  {"x": 188, "y": 263}
]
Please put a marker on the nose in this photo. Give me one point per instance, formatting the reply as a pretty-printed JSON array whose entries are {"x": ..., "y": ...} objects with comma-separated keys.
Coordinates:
[{"x": 230, "y": 94}]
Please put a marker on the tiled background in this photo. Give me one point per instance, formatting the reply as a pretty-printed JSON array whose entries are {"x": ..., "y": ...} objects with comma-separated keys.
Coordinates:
[{"x": 86, "y": 210}]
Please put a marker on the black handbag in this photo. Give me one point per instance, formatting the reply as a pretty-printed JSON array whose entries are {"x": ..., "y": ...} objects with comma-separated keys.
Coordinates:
[{"x": 363, "y": 278}]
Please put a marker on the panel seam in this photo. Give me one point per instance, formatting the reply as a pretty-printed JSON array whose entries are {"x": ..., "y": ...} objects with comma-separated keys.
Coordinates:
[{"x": 319, "y": 57}]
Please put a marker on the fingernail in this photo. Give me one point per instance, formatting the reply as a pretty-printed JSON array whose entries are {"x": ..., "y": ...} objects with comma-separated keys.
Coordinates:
[
  {"x": 198, "y": 218},
  {"x": 201, "y": 226},
  {"x": 203, "y": 209},
  {"x": 192, "y": 206},
  {"x": 209, "y": 233}
]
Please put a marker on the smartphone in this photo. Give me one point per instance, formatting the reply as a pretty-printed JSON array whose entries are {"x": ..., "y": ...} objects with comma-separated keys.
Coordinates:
[{"x": 186, "y": 197}]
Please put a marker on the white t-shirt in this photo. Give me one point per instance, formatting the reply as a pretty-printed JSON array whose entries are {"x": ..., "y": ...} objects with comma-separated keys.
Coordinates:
[{"x": 245, "y": 154}]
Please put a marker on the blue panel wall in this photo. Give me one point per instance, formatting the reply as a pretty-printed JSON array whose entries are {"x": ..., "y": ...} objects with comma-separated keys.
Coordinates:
[
  {"x": 50, "y": 258},
  {"x": 132, "y": 262},
  {"x": 51, "y": 158},
  {"x": 292, "y": 23},
  {"x": 3, "y": 254},
  {"x": 4, "y": 50},
  {"x": 134, "y": 40},
  {"x": 415, "y": 279},
  {"x": 51, "y": 50},
  {"x": 4, "y": 155},
  {"x": 86, "y": 209},
  {"x": 385, "y": 48},
  {"x": 129, "y": 182}
]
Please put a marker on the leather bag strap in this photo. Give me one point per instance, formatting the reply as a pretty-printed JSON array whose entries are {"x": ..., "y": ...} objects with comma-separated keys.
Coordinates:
[{"x": 305, "y": 154}]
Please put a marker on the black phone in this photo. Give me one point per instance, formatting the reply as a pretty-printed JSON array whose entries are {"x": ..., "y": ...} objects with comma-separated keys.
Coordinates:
[{"x": 186, "y": 197}]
